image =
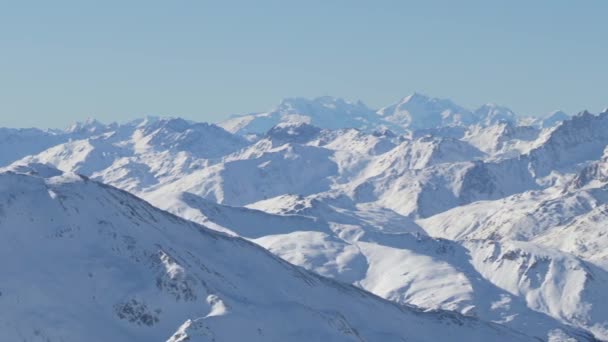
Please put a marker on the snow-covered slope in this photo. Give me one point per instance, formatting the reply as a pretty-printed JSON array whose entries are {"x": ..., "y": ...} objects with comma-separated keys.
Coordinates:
[
  {"x": 561, "y": 269},
  {"x": 554, "y": 118},
  {"x": 84, "y": 261},
  {"x": 421, "y": 192},
  {"x": 289, "y": 168},
  {"x": 424, "y": 152},
  {"x": 551, "y": 281},
  {"x": 503, "y": 139},
  {"x": 141, "y": 153},
  {"x": 580, "y": 139},
  {"x": 595, "y": 173},
  {"x": 392, "y": 258},
  {"x": 83, "y": 156},
  {"x": 568, "y": 216},
  {"x": 199, "y": 139}
]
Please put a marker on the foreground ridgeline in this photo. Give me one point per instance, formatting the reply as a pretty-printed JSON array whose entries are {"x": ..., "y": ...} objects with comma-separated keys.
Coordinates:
[{"x": 83, "y": 261}]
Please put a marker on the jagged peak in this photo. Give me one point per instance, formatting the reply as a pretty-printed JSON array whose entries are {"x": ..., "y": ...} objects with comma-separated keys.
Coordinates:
[
  {"x": 89, "y": 124},
  {"x": 415, "y": 97}
]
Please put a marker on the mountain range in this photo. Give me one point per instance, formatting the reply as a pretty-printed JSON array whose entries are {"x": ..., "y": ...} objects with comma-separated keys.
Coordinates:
[{"x": 320, "y": 219}]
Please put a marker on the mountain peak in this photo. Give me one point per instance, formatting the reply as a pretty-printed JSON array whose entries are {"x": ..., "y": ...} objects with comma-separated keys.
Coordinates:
[
  {"x": 584, "y": 114},
  {"x": 415, "y": 97},
  {"x": 418, "y": 111},
  {"x": 558, "y": 112},
  {"x": 88, "y": 125},
  {"x": 491, "y": 113},
  {"x": 554, "y": 118}
]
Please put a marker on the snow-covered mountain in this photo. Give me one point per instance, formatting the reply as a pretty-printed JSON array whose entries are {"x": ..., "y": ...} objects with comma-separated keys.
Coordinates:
[
  {"x": 422, "y": 203},
  {"x": 392, "y": 258},
  {"x": 199, "y": 139},
  {"x": 84, "y": 261},
  {"x": 580, "y": 139},
  {"x": 418, "y": 111},
  {"x": 412, "y": 112},
  {"x": 325, "y": 112},
  {"x": 554, "y": 118},
  {"x": 490, "y": 114},
  {"x": 503, "y": 139}
]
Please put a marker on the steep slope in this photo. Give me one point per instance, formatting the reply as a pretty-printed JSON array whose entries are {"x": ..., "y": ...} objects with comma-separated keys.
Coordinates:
[
  {"x": 102, "y": 265},
  {"x": 421, "y": 182},
  {"x": 518, "y": 217},
  {"x": 569, "y": 216},
  {"x": 580, "y": 139},
  {"x": 547, "y": 246},
  {"x": 354, "y": 140},
  {"x": 594, "y": 174},
  {"x": 201, "y": 140},
  {"x": 557, "y": 154},
  {"x": 391, "y": 258},
  {"x": 263, "y": 174},
  {"x": 554, "y": 118},
  {"x": 583, "y": 235},
  {"x": 551, "y": 281},
  {"x": 424, "y": 152},
  {"x": 82, "y": 156},
  {"x": 503, "y": 139}
]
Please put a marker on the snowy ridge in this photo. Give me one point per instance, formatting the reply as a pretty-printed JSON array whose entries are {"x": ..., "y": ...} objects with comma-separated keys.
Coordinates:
[
  {"x": 418, "y": 111},
  {"x": 325, "y": 112},
  {"x": 413, "y": 112}
]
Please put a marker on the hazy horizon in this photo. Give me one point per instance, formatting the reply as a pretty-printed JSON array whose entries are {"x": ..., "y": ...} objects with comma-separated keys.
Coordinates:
[
  {"x": 86, "y": 118},
  {"x": 67, "y": 60}
]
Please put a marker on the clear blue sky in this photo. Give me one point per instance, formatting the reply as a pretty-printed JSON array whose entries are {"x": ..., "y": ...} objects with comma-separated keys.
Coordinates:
[{"x": 62, "y": 61}]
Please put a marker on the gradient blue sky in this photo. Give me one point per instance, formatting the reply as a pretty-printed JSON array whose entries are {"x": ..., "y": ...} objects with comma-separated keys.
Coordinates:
[{"x": 62, "y": 61}]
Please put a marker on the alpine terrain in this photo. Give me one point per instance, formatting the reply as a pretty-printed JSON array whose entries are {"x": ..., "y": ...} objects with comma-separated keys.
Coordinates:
[{"x": 317, "y": 220}]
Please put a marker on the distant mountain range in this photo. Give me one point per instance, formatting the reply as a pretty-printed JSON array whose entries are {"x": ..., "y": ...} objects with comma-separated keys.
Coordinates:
[{"x": 414, "y": 112}]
